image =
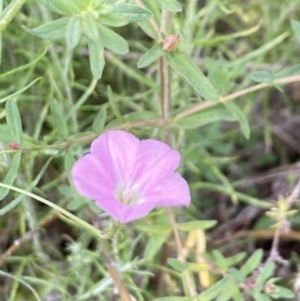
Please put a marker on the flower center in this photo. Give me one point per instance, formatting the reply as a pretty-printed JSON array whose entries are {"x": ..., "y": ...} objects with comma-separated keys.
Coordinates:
[{"x": 128, "y": 195}]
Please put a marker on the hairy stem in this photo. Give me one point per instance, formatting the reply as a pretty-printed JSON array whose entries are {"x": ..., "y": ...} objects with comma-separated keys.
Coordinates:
[{"x": 166, "y": 24}]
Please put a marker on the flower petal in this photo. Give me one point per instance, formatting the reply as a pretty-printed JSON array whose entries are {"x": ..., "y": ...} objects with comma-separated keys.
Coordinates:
[
  {"x": 124, "y": 213},
  {"x": 117, "y": 151},
  {"x": 90, "y": 178},
  {"x": 174, "y": 191},
  {"x": 156, "y": 161}
]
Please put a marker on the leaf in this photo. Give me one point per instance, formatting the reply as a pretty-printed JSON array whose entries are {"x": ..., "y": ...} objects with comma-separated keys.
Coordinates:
[
  {"x": 18, "y": 199},
  {"x": 11, "y": 174},
  {"x": 284, "y": 293},
  {"x": 113, "y": 104},
  {"x": 156, "y": 229},
  {"x": 188, "y": 69},
  {"x": 213, "y": 114},
  {"x": 59, "y": 119},
  {"x": 90, "y": 27},
  {"x": 240, "y": 116},
  {"x": 220, "y": 260},
  {"x": 214, "y": 290},
  {"x": 252, "y": 263},
  {"x": 150, "y": 56},
  {"x": 14, "y": 121},
  {"x": 237, "y": 275},
  {"x": 19, "y": 91},
  {"x": 112, "y": 41},
  {"x": 131, "y": 12},
  {"x": 112, "y": 21},
  {"x": 73, "y": 32},
  {"x": 178, "y": 264},
  {"x": 52, "y": 30},
  {"x": 195, "y": 225},
  {"x": 292, "y": 70},
  {"x": 296, "y": 27},
  {"x": 66, "y": 7},
  {"x": 174, "y": 299},
  {"x": 218, "y": 76},
  {"x": 154, "y": 245},
  {"x": 141, "y": 116},
  {"x": 262, "y": 76},
  {"x": 171, "y": 5},
  {"x": 99, "y": 122},
  {"x": 235, "y": 258},
  {"x": 97, "y": 61},
  {"x": 265, "y": 275}
]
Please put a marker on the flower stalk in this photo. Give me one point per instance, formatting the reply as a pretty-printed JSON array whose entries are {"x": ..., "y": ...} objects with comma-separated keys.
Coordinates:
[{"x": 165, "y": 79}]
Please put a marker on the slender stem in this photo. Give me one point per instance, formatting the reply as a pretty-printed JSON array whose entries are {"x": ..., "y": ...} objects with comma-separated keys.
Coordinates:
[
  {"x": 152, "y": 21},
  {"x": 208, "y": 104},
  {"x": 166, "y": 24}
]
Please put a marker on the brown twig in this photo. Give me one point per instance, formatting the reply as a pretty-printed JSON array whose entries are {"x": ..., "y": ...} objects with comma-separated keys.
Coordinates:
[{"x": 114, "y": 274}]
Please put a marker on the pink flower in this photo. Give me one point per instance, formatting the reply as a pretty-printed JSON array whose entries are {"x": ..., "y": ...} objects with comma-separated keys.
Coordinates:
[{"x": 128, "y": 178}]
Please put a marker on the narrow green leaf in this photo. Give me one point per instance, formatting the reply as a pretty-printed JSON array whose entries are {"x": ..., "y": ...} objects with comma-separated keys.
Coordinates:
[
  {"x": 174, "y": 299},
  {"x": 284, "y": 293},
  {"x": 73, "y": 32},
  {"x": 91, "y": 27},
  {"x": 113, "y": 104},
  {"x": 97, "y": 60},
  {"x": 99, "y": 122},
  {"x": 240, "y": 116},
  {"x": 14, "y": 121},
  {"x": 188, "y": 69},
  {"x": 154, "y": 245},
  {"x": 52, "y": 6},
  {"x": 252, "y": 263},
  {"x": 150, "y": 56},
  {"x": 131, "y": 12},
  {"x": 69, "y": 161},
  {"x": 207, "y": 116},
  {"x": 19, "y": 91},
  {"x": 52, "y": 30},
  {"x": 155, "y": 229},
  {"x": 11, "y": 174},
  {"x": 9, "y": 12},
  {"x": 236, "y": 274},
  {"x": 265, "y": 275},
  {"x": 141, "y": 115},
  {"x": 19, "y": 198},
  {"x": 59, "y": 119},
  {"x": 113, "y": 21},
  {"x": 218, "y": 76},
  {"x": 214, "y": 290},
  {"x": 195, "y": 225},
  {"x": 292, "y": 70},
  {"x": 220, "y": 260},
  {"x": 233, "y": 260},
  {"x": 227, "y": 293},
  {"x": 171, "y": 5},
  {"x": 178, "y": 264},
  {"x": 113, "y": 41},
  {"x": 262, "y": 76},
  {"x": 296, "y": 27}
]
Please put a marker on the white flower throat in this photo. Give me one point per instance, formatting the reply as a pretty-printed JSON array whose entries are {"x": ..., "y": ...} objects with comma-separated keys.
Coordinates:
[{"x": 128, "y": 194}]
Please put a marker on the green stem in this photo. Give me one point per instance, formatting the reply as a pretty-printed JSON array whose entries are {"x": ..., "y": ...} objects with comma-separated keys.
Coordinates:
[
  {"x": 74, "y": 218},
  {"x": 9, "y": 12}
]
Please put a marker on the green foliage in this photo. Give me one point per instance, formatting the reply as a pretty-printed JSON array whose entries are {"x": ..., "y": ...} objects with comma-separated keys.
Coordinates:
[{"x": 58, "y": 95}]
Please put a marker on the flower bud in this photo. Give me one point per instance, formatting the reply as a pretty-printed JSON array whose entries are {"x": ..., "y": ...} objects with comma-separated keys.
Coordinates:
[
  {"x": 171, "y": 42},
  {"x": 15, "y": 146}
]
